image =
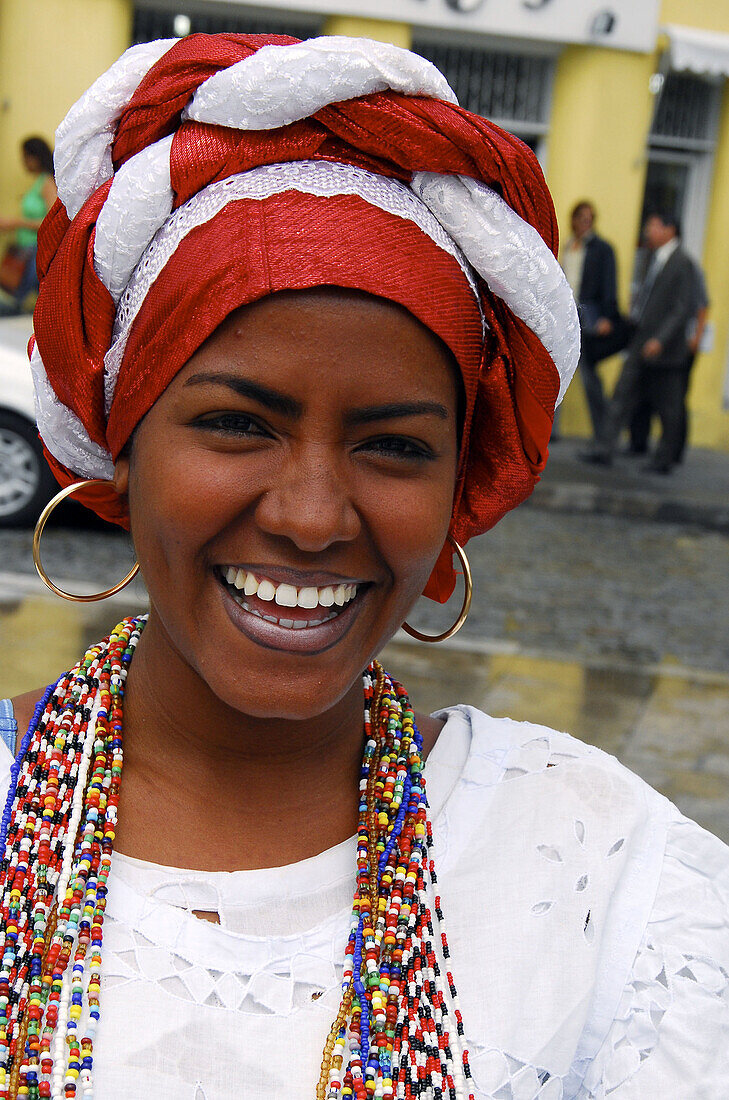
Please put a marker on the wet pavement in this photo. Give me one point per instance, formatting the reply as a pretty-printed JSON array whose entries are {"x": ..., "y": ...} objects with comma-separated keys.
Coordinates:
[{"x": 612, "y": 628}]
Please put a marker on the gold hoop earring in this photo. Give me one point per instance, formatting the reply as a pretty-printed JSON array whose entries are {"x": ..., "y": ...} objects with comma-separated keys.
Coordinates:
[
  {"x": 43, "y": 519},
  {"x": 466, "y": 607}
]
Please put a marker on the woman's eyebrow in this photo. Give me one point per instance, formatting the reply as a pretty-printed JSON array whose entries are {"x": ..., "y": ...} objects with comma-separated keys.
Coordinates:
[
  {"x": 369, "y": 413},
  {"x": 244, "y": 387},
  {"x": 290, "y": 407}
]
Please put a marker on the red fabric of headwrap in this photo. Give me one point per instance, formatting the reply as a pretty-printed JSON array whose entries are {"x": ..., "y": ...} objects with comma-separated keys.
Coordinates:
[
  {"x": 511, "y": 383},
  {"x": 252, "y": 248}
]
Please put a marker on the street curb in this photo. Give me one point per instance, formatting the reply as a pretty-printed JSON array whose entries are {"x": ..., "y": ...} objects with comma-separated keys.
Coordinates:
[
  {"x": 597, "y": 500},
  {"x": 17, "y": 586},
  {"x": 497, "y": 647}
]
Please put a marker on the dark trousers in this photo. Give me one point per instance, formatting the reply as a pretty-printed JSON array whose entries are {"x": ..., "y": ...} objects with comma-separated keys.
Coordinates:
[
  {"x": 640, "y": 428},
  {"x": 595, "y": 394},
  {"x": 640, "y": 424},
  {"x": 624, "y": 403},
  {"x": 666, "y": 391},
  {"x": 663, "y": 389}
]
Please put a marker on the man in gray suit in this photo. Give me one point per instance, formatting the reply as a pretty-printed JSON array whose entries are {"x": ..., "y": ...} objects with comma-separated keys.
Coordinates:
[{"x": 654, "y": 364}]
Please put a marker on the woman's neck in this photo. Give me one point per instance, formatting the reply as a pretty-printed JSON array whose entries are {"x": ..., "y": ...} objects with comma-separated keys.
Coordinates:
[{"x": 207, "y": 787}]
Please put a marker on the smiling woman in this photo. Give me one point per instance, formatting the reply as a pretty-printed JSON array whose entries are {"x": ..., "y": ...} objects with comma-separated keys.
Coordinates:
[
  {"x": 292, "y": 472},
  {"x": 302, "y": 329}
]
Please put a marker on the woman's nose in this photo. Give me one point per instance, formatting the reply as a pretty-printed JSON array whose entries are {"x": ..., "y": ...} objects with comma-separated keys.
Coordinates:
[{"x": 310, "y": 502}]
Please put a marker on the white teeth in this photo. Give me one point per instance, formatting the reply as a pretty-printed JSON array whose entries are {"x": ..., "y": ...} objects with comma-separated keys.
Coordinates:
[
  {"x": 308, "y": 597},
  {"x": 286, "y": 595},
  {"x": 266, "y": 591},
  {"x": 288, "y": 624}
]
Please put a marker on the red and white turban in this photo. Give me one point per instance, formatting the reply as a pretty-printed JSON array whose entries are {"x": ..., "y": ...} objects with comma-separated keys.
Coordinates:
[{"x": 200, "y": 174}]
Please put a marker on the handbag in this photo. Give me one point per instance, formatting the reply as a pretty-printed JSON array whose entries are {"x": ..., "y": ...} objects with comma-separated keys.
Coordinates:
[
  {"x": 597, "y": 347},
  {"x": 12, "y": 267}
]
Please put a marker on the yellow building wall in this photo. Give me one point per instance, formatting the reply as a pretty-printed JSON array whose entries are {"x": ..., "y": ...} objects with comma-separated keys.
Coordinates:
[
  {"x": 399, "y": 34},
  {"x": 601, "y": 113},
  {"x": 707, "y": 15},
  {"x": 599, "y": 124},
  {"x": 600, "y": 119},
  {"x": 709, "y": 421},
  {"x": 50, "y": 52}
]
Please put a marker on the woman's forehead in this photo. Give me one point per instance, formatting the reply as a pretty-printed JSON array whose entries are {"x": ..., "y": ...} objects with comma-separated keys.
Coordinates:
[
  {"x": 348, "y": 341},
  {"x": 321, "y": 313}
]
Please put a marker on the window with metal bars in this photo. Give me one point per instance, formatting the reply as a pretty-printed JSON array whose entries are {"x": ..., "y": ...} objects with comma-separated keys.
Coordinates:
[
  {"x": 511, "y": 89},
  {"x": 686, "y": 113},
  {"x": 151, "y": 22}
]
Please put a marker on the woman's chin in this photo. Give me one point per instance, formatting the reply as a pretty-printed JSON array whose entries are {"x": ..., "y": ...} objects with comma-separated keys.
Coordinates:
[
  {"x": 270, "y": 669},
  {"x": 266, "y": 694}
]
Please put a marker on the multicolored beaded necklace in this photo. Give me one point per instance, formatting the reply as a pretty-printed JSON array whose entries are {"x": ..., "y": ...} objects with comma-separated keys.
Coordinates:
[{"x": 398, "y": 1033}]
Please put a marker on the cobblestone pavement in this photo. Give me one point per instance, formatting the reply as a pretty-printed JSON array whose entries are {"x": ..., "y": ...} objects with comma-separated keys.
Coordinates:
[{"x": 611, "y": 628}]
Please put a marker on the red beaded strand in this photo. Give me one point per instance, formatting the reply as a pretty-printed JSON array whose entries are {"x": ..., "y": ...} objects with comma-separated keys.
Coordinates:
[{"x": 397, "y": 1042}]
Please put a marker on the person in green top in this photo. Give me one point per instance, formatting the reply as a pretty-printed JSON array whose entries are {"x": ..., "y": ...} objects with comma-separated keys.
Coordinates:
[{"x": 34, "y": 205}]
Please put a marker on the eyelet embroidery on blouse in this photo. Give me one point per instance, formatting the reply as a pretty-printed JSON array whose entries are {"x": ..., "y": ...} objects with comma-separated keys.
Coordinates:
[
  {"x": 536, "y": 755},
  {"x": 132, "y": 957},
  {"x": 501, "y": 1076},
  {"x": 658, "y": 975},
  {"x": 582, "y": 883}
]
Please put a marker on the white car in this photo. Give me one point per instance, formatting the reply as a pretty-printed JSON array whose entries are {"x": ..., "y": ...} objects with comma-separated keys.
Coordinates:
[{"x": 26, "y": 483}]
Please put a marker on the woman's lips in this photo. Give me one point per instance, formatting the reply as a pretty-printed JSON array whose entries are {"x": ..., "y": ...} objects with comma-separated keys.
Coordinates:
[{"x": 281, "y": 621}]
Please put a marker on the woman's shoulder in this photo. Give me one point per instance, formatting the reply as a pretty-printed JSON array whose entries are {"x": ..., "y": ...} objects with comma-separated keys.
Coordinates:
[
  {"x": 587, "y": 876},
  {"x": 553, "y": 803},
  {"x": 504, "y": 749},
  {"x": 15, "y": 715},
  {"x": 565, "y": 798},
  {"x": 8, "y": 724}
]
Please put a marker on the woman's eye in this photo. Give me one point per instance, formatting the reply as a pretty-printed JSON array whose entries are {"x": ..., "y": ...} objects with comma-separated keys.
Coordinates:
[
  {"x": 397, "y": 446},
  {"x": 231, "y": 423}
]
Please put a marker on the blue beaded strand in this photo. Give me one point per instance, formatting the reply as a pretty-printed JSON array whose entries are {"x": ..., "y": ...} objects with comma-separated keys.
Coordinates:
[
  {"x": 18, "y": 762},
  {"x": 360, "y": 990}
]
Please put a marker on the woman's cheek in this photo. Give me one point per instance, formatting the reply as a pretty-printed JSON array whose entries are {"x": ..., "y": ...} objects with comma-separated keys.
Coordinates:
[
  {"x": 413, "y": 532},
  {"x": 194, "y": 493}
]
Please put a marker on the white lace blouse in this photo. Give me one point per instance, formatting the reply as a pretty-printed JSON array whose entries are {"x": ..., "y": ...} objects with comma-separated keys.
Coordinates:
[{"x": 588, "y": 923}]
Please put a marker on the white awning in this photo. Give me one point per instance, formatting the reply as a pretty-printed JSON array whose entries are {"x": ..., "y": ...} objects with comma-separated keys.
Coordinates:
[{"x": 705, "y": 53}]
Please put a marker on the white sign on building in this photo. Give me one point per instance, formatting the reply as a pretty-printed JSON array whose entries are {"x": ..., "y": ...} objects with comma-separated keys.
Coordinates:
[{"x": 620, "y": 24}]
